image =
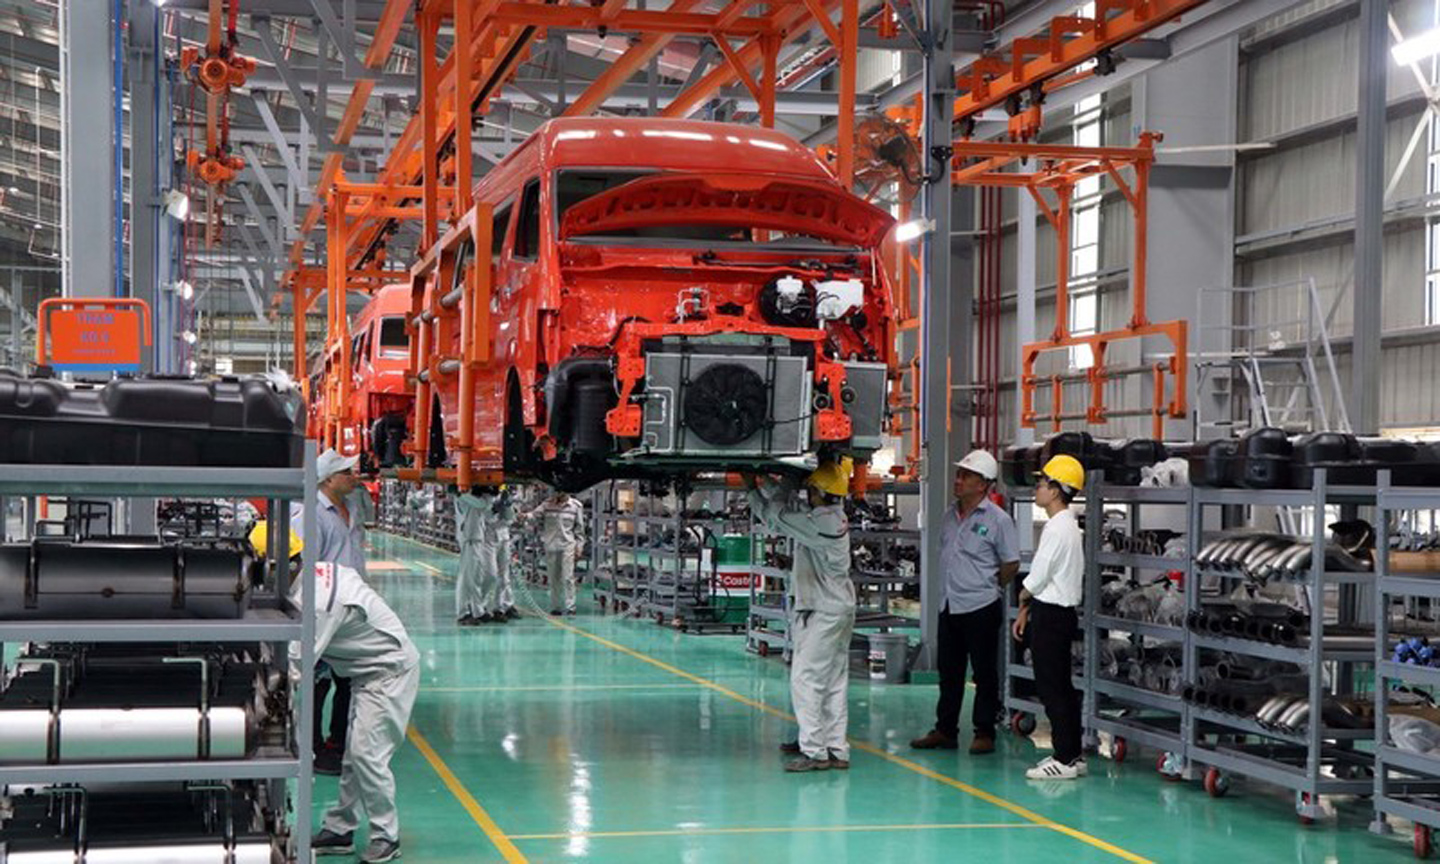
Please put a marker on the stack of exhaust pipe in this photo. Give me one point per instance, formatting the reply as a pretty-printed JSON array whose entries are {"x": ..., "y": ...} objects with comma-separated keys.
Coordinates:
[
  {"x": 1263, "y": 622},
  {"x": 1262, "y": 556}
]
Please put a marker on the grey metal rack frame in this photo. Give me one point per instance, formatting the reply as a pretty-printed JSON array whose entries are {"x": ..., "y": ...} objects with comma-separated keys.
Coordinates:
[
  {"x": 1294, "y": 761},
  {"x": 1119, "y": 709},
  {"x": 1407, "y": 784},
  {"x": 271, "y": 619}
]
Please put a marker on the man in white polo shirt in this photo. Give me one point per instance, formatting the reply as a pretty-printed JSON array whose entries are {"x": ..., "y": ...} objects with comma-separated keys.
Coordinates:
[{"x": 979, "y": 555}]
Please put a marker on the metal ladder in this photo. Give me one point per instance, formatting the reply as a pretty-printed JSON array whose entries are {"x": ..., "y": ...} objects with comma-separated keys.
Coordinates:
[{"x": 1286, "y": 365}]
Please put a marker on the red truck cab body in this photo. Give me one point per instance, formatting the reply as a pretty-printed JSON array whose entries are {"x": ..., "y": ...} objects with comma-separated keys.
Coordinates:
[{"x": 665, "y": 297}]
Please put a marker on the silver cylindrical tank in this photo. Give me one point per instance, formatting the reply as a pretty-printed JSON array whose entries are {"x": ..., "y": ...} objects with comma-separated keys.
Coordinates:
[
  {"x": 123, "y": 735},
  {"x": 49, "y": 580}
]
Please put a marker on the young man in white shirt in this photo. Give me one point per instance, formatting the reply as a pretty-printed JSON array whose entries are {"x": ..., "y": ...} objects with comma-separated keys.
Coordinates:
[{"x": 1052, "y": 592}]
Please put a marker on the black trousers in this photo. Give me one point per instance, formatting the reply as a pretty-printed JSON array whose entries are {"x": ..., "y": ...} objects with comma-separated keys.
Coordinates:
[
  {"x": 339, "y": 711},
  {"x": 1052, "y": 629},
  {"x": 969, "y": 639}
]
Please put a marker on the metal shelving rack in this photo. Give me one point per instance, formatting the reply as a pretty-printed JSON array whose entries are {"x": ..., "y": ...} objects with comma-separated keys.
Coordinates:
[
  {"x": 1407, "y": 784},
  {"x": 436, "y": 528},
  {"x": 270, "y": 619},
  {"x": 767, "y": 624},
  {"x": 1295, "y": 761},
  {"x": 1120, "y": 709}
]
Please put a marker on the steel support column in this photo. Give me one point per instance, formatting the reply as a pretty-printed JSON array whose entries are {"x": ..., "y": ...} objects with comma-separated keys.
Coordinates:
[
  {"x": 935, "y": 344},
  {"x": 147, "y": 253},
  {"x": 87, "y": 171},
  {"x": 1367, "y": 293}
]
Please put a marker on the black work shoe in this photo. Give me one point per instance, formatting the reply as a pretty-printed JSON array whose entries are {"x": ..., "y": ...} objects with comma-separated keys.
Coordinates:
[
  {"x": 327, "y": 842},
  {"x": 935, "y": 740},
  {"x": 838, "y": 763},
  {"x": 465, "y": 620},
  {"x": 512, "y": 613},
  {"x": 805, "y": 763},
  {"x": 380, "y": 851},
  {"x": 328, "y": 761},
  {"x": 790, "y": 747}
]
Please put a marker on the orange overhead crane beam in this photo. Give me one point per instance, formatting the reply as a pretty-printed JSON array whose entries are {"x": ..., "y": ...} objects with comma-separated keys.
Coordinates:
[{"x": 1031, "y": 62}]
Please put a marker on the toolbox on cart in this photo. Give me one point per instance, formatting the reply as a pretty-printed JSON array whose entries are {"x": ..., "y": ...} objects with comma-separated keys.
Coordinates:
[{"x": 162, "y": 421}]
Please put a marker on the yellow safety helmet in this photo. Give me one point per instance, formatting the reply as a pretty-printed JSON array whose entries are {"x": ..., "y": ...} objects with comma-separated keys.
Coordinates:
[
  {"x": 1065, "y": 470},
  {"x": 260, "y": 539},
  {"x": 832, "y": 478}
]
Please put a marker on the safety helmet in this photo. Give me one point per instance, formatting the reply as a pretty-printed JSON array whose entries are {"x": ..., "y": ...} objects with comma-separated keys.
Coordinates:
[
  {"x": 980, "y": 462},
  {"x": 1065, "y": 470},
  {"x": 260, "y": 539},
  {"x": 832, "y": 478}
]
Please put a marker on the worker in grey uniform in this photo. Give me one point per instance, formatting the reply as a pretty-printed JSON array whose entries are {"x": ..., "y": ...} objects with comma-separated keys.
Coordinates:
[
  {"x": 505, "y": 515},
  {"x": 979, "y": 555},
  {"x": 562, "y": 536},
  {"x": 822, "y": 610},
  {"x": 362, "y": 638},
  {"x": 473, "y": 588},
  {"x": 341, "y": 508}
]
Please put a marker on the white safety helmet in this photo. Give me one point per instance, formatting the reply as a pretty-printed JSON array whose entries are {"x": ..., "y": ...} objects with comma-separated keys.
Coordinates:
[{"x": 980, "y": 462}]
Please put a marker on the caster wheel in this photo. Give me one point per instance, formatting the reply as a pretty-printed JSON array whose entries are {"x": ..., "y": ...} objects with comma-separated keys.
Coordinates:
[
  {"x": 1304, "y": 800},
  {"x": 1165, "y": 767},
  {"x": 1216, "y": 783},
  {"x": 1118, "y": 750},
  {"x": 1422, "y": 842},
  {"x": 763, "y": 649},
  {"x": 1022, "y": 724}
]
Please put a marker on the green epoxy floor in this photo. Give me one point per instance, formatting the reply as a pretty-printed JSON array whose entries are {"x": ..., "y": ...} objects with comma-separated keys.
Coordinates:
[{"x": 574, "y": 749}]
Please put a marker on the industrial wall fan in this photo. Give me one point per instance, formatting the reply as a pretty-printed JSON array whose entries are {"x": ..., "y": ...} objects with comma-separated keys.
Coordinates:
[{"x": 885, "y": 152}]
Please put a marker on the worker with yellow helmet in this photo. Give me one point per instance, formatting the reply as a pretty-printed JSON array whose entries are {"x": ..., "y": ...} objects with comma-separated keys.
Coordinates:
[
  {"x": 362, "y": 638},
  {"x": 1052, "y": 592},
  {"x": 822, "y": 609}
]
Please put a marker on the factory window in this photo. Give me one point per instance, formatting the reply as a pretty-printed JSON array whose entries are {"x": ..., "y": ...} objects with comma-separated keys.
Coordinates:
[
  {"x": 1085, "y": 234},
  {"x": 393, "y": 339},
  {"x": 527, "y": 241},
  {"x": 499, "y": 225}
]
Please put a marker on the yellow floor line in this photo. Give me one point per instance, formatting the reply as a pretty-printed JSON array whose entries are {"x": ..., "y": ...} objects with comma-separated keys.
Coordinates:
[
  {"x": 1012, "y": 807},
  {"x": 435, "y": 571},
  {"x": 558, "y": 687},
  {"x": 482, "y": 818},
  {"x": 816, "y": 829}
]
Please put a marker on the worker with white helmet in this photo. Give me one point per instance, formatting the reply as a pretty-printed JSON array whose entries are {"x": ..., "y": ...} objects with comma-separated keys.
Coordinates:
[
  {"x": 474, "y": 583},
  {"x": 822, "y": 609},
  {"x": 562, "y": 536},
  {"x": 979, "y": 555},
  {"x": 341, "y": 508},
  {"x": 362, "y": 638},
  {"x": 1052, "y": 592}
]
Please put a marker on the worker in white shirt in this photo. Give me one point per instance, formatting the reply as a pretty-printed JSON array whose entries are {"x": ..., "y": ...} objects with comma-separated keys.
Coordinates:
[
  {"x": 505, "y": 515},
  {"x": 1051, "y": 593},
  {"x": 340, "y": 514},
  {"x": 473, "y": 583},
  {"x": 562, "y": 535},
  {"x": 363, "y": 640},
  {"x": 822, "y": 610}
]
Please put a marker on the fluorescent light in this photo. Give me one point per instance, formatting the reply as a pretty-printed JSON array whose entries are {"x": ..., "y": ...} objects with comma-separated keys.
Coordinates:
[
  {"x": 189, "y": 337},
  {"x": 185, "y": 290},
  {"x": 912, "y": 230},
  {"x": 1417, "y": 48},
  {"x": 177, "y": 204}
]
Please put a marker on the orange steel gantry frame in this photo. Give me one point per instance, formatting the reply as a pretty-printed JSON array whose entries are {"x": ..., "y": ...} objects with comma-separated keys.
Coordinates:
[
  {"x": 434, "y": 147},
  {"x": 1033, "y": 67},
  {"x": 1059, "y": 168}
]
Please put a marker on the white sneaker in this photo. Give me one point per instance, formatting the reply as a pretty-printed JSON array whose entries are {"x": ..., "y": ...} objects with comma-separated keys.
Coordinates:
[{"x": 1049, "y": 769}]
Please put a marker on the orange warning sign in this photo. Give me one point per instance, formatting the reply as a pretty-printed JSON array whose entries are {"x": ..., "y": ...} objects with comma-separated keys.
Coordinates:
[{"x": 92, "y": 335}]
